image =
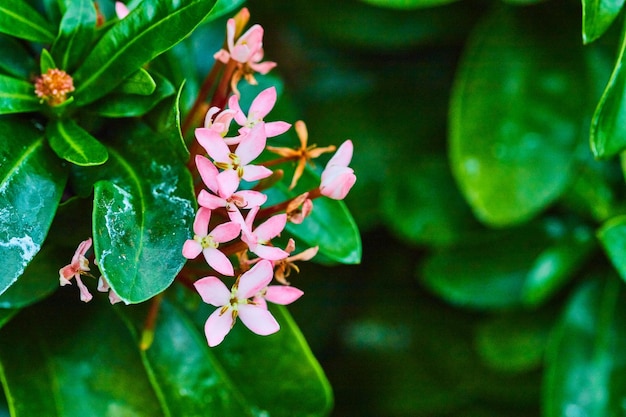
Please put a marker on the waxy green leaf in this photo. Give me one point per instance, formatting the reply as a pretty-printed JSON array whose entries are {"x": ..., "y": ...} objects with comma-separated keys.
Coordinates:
[
  {"x": 74, "y": 144},
  {"x": 31, "y": 184},
  {"x": 16, "y": 59},
  {"x": 153, "y": 27},
  {"x": 612, "y": 235},
  {"x": 514, "y": 123},
  {"x": 585, "y": 361},
  {"x": 19, "y": 19},
  {"x": 132, "y": 105},
  {"x": 17, "y": 96},
  {"x": 140, "y": 82},
  {"x": 607, "y": 136},
  {"x": 75, "y": 34},
  {"x": 78, "y": 360},
  {"x": 183, "y": 369},
  {"x": 598, "y": 16},
  {"x": 143, "y": 212}
]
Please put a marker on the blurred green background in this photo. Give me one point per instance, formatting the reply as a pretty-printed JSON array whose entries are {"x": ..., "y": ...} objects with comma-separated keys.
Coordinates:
[{"x": 479, "y": 294}]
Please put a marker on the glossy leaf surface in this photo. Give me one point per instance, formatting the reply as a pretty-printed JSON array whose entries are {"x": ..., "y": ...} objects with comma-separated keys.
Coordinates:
[
  {"x": 585, "y": 362},
  {"x": 153, "y": 27},
  {"x": 143, "y": 212},
  {"x": 17, "y": 96},
  {"x": 31, "y": 183},
  {"x": 514, "y": 124},
  {"x": 607, "y": 134},
  {"x": 612, "y": 235},
  {"x": 74, "y": 144},
  {"x": 598, "y": 15},
  {"x": 16, "y": 60},
  {"x": 76, "y": 32},
  {"x": 19, "y": 19}
]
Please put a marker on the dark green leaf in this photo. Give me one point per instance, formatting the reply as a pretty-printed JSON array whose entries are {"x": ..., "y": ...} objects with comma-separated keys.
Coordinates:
[
  {"x": 153, "y": 27},
  {"x": 223, "y": 7},
  {"x": 17, "y": 96},
  {"x": 139, "y": 82},
  {"x": 125, "y": 105},
  {"x": 75, "y": 34},
  {"x": 598, "y": 16},
  {"x": 19, "y": 19},
  {"x": 514, "y": 123},
  {"x": 74, "y": 144},
  {"x": 16, "y": 60},
  {"x": 585, "y": 362},
  {"x": 31, "y": 183},
  {"x": 508, "y": 269},
  {"x": 607, "y": 133},
  {"x": 143, "y": 212},
  {"x": 66, "y": 359},
  {"x": 329, "y": 226},
  {"x": 612, "y": 235},
  {"x": 288, "y": 379},
  {"x": 183, "y": 370},
  {"x": 407, "y": 4},
  {"x": 6, "y": 315}
]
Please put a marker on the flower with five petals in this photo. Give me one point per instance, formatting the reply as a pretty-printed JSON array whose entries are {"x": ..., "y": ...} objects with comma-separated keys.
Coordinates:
[{"x": 79, "y": 266}]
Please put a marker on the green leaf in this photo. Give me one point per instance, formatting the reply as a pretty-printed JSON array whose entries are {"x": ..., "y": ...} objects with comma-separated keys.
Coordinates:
[
  {"x": 17, "y": 96},
  {"x": 16, "y": 59},
  {"x": 153, "y": 27},
  {"x": 139, "y": 82},
  {"x": 612, "y": 235},
  {"x": 598, "y": 16},
  {"x": 143, "y": 212},
  {"x": 82, "y": 362},
  {"x": 74, "y": 144},
  {"x": 514, "y": 122},
  {"x": 75, "y": 34},
  {"x": 19, "y": 19},
  {"x": 407, "y": 4},
  {"x": 585, "y": 362},
  {"x": 288, "y": 379},
  {"x": 31, "y": 184},
  {"x": 607, "y": 137},
  {"x": 182, "y": 368},
  {"x": 125, "y": 105},
  {"x": 46, "y": 61},
  {"x": 508, "y": 269},
  {"x": 329, "y": 226},
  {"x": 6, "y": 315}
]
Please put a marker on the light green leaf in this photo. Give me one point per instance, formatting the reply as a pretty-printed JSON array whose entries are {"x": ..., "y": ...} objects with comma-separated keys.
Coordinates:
[
  {"x": 17, "y": 96},
  {"x": 31, "y": 184},
  {"x": 19, "y": 19},
  {"x": 74, "y": 144},
  {"x": 46, "y": 62},
  {"x": 139, "y": 82},
  {"x": 607, "y": 136},
  {"x": 514, "y": 122},
  {"x": 585, "y": 361},
  {"x": 153, "y": 27},
  {"x": 612, "y": 235},
  {"x": 75, "y": 34},
  {"x": 598, "y": 16},
  {"x": 143, "y": 212}
]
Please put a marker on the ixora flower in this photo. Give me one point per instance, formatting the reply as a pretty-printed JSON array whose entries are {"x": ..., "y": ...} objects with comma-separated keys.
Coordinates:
[
  {"x": 53, "y": 86},
  {"x": 260, "y": 107},
  {"x": 207, "y": 243},
  {"x": 79, "y": 266},
  {"x": 258, "y": 239},
  {"x": 337, "y": 177},
  {"x": 237, "y": 303}
]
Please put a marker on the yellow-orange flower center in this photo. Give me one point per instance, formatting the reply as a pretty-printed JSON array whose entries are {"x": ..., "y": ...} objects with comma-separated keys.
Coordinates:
[{"x": 54, "y": 86}]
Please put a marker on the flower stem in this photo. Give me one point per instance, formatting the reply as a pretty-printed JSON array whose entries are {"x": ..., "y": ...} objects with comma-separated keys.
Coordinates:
[{"x": 147, "y": 335}]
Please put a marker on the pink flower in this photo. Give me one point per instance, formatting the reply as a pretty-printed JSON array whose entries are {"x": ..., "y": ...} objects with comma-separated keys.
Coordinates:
[
  {"x": 78, "y": 266},
  {"x": 247, "y": 151},
  {"x": 258, "y": 239},
  {"x": 121, "y": 10},
  {"x": 221, "y": 122},
  {"x": 236, "y": 303},
  {"x": 259, "y": 108},
  {"x": 247, "y": 50},
  {"x": 224, "y": 188},
  {"x": 277, "y": 294},
  {"x": 207, "y": 243},
  {"x": 103, "y": 286},
  {"x": 337, "y": 177}
]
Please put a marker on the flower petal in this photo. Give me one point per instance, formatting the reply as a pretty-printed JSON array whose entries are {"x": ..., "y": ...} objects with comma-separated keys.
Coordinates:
[
  {"x": 225, "y": 232},
  {"x": 255, "y": 279},
  {"x": 255, "y": 172},
  {"x": 252, "y": 144},
  {"x": 218, "y": 261},
  {"x": 258, "y": 319},
  {"x": 271, "y": 227},
  {"x": 191, "y": 249},
  {"x": 213, "y": 291},
  {"x": 208, "y": 172},
  {"x": 252, "y": 198},
  {"x": 217, "y": 326},
  {"x": 276, "y": 128},
  {"x": 262, "y": 104},
  {"x": 269, "y": 252},
  {"x": 228, "y": 182},
  {"x": 282, "y": 294},
  {"x": 201, "y": 222},
  {"x": 213, "y": 143},
  {"x": 210, "y": 201}
]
